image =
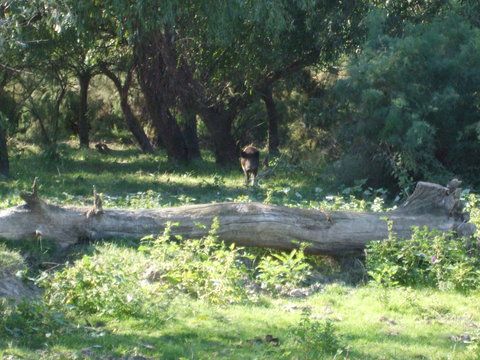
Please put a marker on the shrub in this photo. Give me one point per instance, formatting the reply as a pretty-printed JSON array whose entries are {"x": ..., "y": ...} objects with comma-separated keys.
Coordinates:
[
  {"x": 284, "y": 269},
  {"x": 107, "y": 282},
  {"x": 428, "y": 258},
  {"x": 411, "y": 101},
  {"x": 313, "y": 339},
  {"x": 204, "y": 268}
]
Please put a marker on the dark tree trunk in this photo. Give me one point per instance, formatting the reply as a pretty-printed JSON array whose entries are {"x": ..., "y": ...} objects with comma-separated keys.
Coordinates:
[
  {"x": 190, "y": 134},
  {"x": 132, "y": 122},
  {"x": 219, "y": 125},
  {"x": 273, "y": 120},
  {"x": 4, "y": 164},
  {"x": 134, "y": 126},
  {"x": 83, "y": 124},
  {"x": 157, "y": 90}
]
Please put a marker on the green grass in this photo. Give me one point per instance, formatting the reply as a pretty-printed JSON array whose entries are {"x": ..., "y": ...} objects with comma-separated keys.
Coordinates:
[
  {"x": 128, "y": 178},
  {"x": 371, "y": 324},
  {"x": 368, "y": 322}
]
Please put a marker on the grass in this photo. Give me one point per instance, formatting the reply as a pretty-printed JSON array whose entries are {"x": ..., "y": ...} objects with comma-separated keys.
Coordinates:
[
  {"x": 412, "y": 324},
  {"x": 367, "y": 322}
]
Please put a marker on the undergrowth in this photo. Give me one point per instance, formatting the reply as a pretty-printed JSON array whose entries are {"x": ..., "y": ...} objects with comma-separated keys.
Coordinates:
[{"x": 428, "y": 258}]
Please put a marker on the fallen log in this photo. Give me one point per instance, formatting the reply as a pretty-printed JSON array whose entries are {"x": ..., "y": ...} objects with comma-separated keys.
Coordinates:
[{"x": 247, "y": 224}]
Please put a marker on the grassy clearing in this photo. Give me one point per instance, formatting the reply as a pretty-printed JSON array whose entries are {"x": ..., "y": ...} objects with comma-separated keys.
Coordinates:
[
  {"x": 128, "y": 178},
  {"x": 97, "y": 303}
]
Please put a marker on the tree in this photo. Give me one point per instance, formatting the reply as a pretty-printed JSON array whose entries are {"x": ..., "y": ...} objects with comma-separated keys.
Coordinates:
[
  {"x": 412, "y": 101},
  {"x": 50, "y": 50},
  {"x": 4, "y": 163},
  {"x": 123, "y": 90},
  {"x": 209, "y": 57}
]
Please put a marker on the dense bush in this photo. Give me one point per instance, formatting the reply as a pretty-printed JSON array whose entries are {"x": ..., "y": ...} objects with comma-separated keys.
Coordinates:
[
  {"x": 203, "y": 268},
  {"x": 428, "y": 258},
  {"x": 105, "y": 283},
  {"x": 412, "y": 101}
]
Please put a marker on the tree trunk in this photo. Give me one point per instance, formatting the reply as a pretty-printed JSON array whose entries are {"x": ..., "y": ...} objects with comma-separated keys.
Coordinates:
[
  {"x": 130, "y": 119},
  {"x": 156, "y": 88},
  {"x": 190, "y": 134},
  {"x": 219, "y": 125},
  {"x": 273, "y": 120},
  {"x": 134, "y": 126},
  {"x": 83, "y": 123},
  {"x": 4, "y": 164},
  {"x": 247, "y": 224}
]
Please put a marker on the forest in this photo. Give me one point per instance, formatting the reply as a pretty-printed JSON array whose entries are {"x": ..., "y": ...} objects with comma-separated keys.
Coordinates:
[{"x": 141, "y": 239}]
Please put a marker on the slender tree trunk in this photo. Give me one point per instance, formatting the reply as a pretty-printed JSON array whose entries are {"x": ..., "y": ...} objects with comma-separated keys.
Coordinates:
[
  {"x": 134, "y": 126},
  {"x": 273, "y": 120},
  {"x": 157, "y": 90},
  {"x": 83, "y": 124},
  {"x": 130, "y": 119},
  {"x": 4, "y": 164},
  {"x": 190, "y": 134}
]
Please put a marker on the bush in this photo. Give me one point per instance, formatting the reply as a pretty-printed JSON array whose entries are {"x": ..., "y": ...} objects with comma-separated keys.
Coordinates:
[
  {"x": 428, "y": 258},
  {"x": 313, "y": 339},
  {"x": 203, "y": 268},
  {"x": 120, "y": 281},
  {"x": 412, "y": 102},
  {"x": 107, "y": 282},
  {"x": 284, "y": 269}
]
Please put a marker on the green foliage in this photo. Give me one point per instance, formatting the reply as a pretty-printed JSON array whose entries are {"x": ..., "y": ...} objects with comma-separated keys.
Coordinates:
[
  {"x": 205, "y": 268},
  {"x": 428, "y": 258},
  {"x": 313, "y": 339},
  {"x": 30, "y": 323},
  {"x": 118, "y": 281},
  {"x": 412, "y": 101},
  {"x": 283, "y": 269},
  {"x": 107, "y": 282}
]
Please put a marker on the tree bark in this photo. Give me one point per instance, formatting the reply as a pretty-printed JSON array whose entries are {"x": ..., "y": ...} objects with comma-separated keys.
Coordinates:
[
  {"x": 83, "y": 123},
  {"x": 159, "y": 95},
  {"x": 219, "y": 125},
  {"x": 4, "y": 163},
  {"x": 247, "y": 224},
  {"x": 130, "y": 119},
  {"x": 273, "y": 120},
  {"x": 190, "y": 134}
]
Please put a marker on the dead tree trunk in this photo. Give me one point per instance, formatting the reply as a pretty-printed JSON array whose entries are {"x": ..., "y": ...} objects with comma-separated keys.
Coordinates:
[{"x": 247, "y": 224}]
